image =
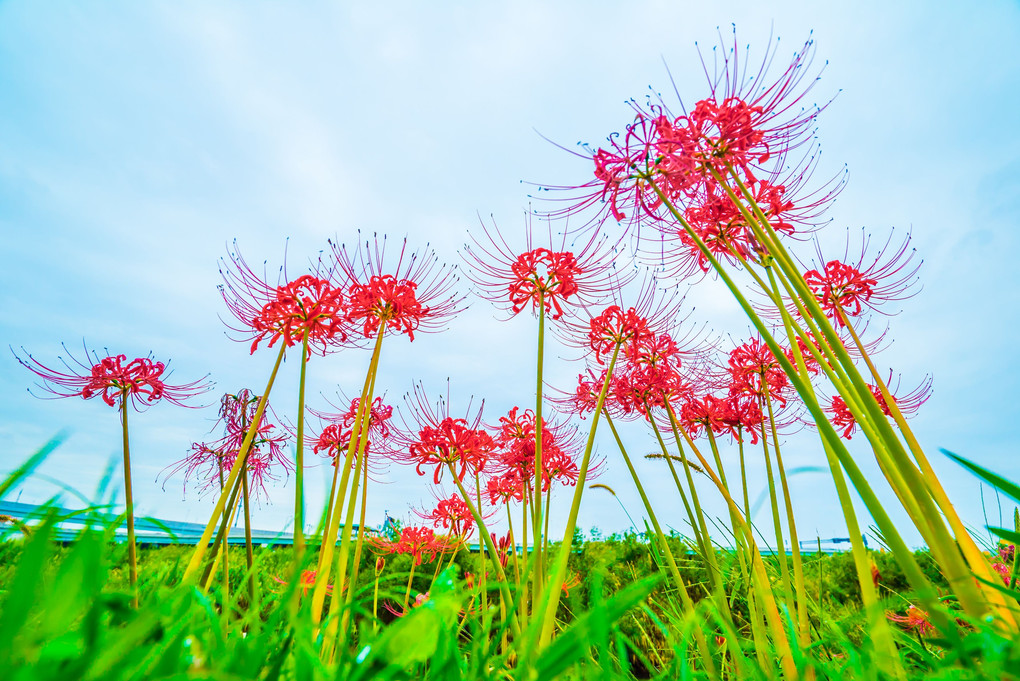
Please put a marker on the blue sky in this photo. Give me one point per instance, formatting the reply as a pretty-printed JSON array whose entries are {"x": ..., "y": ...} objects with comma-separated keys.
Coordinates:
[{"x": 138, "y": 139}]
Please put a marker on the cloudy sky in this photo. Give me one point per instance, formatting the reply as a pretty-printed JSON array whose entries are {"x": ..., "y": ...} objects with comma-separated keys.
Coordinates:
[{"x": 137, "y": 140}]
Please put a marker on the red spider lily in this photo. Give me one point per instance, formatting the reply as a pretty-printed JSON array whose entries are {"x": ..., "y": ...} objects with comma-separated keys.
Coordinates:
[
  {"x": 754, "y": 370},
  {"x": 616, "y": 327},
  {"x": 207, "y": 462},
  {"x": 536, "y": 275},
  {"x": 641, "y": 388},
  {"x": 502, "y": 488},
  {"x": 504, "y": 545},
  {"x": 583, "y": 398},
  {"x": 706, "y": 413},
  {"x": 841, "y": 416},
  {"x": 718, "y": 222},
  {"x": 853, "y": 285},
  {"x": 1006, "y": 552},
  {"x": 743, "y": 414},
  {"x": 419, "y": 600},
  {"x": 114, "y": 379},
  {"x": 336, "y": 436},
  {"x": 572, "y": 580},
  {"x": 1003, "y": 570},
  {"x": 914, "y": 619},
  {"x": 417, "y": 294},
  {"x": 437, "y": 439},
  {"x": 421, "y": 543},
  {"x": 305, "y": 307},
  {"x": 749, "y": 122},
  {"x": 306, "y": 582},
  {"x": 628, "y": 326},
  {"x": 453, "y": 514},
  {"x": 515, "y": 461}
]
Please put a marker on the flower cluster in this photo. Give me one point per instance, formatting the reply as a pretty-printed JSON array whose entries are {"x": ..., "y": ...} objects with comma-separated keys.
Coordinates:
[
  {"x": 335, "y": 437},
  {"x": 416, "y": 294},
  {"x": 114, "y": 379},
  {"x": 453, "y": 514},
  {"x": 513, "y": 469},
  {"x": 842, "y": 418},
  {"x": 307, "y": 309},
  {"x": 210, "y": 462},
  {"x": 847, "y": 288},
  {"x": 421, "y": 543},
  {"x": 547, "y": 277}
]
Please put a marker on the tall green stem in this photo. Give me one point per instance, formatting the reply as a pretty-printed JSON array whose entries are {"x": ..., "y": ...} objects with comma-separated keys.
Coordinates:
[
  {"x": 328, "y": 546},
  {"x": 248, "y": 552},
  {"x": 299, "y": 463},
  {"x": 550, "y": 598},
  {"x": 129, "y": 501},
  {"x": 539, "y": 571},
  {"x": 798, "y": 563},
  {"x": 224, "y": 529}
]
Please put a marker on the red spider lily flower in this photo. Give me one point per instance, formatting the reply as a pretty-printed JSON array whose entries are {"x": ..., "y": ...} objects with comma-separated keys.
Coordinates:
[
  {"x": 1003, "y": 570},
  {"x": 754, "y": 370},
  {"x": 500, "y": 489},
  {"x": 841, "y": 417},
  {"x": 721, "y": 226},
  {"x": 1006, "y": 552},
  {"x": 708, "y": 413},
  {"x": 504, "y": 545},
  {"x": 515, "y": 461},
  {"x": 561, "y": 466},
  {"x": 572, "y": 580},
  {"x": 641, "y": 388},
  {"x": 417, "y": 294},
  {"x": 453, "y": 514},
  {"x": 914, "y": 619},
  {"x": 848, "y": 287},
  {"x": 535, "y": 275},
  {"x": 437, "y": 439},
  {"x": 335, "y": 438},
  {"x": 616, "y": 327},
  {"x": 599, "y": 332},
  {"x": 421, "y": 543},
  {"x": 419, "y": 600},
  {"x": 207, "y": 462},
  {"x": 140, "y": 381},
  {"x": 306, "y": 582},
  {"x": 743, "y": 414},
  {"x": 308, "y": 306},
  {"x": 750, "y": 122}
]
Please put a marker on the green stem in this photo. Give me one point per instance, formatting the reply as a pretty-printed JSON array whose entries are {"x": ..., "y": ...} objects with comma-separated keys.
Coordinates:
[
  {"x": 129, "y": 502},
  {"x": 487, "y": 538},
  {"x": 552, "y": 591},
  {"x": 299, "y": 463},
  {"x": 784, "y": 568},
  {"x": 538, "y": 573},
  {"x": 328, "y": 547},
  {"x": 410, "y": 576},
  {"x": 798, "y": 564},
  {"x": 226, "y": 552},
  {"x": 248, "y": 551}
]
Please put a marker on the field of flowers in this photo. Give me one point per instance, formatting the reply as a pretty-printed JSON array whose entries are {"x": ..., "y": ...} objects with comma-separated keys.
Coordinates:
[{"x": 720, "y": 189}]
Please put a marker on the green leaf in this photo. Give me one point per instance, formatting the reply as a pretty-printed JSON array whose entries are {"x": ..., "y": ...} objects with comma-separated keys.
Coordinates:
[
  {"x": 26, "y": 468},
  {"x": 997, "y": 481},
  {"x": 572, "y": 644}
]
